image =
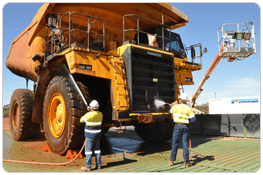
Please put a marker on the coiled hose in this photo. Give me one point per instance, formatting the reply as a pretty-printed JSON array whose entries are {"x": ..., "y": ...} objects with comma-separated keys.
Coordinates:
[{"x": 43, "y": 163}]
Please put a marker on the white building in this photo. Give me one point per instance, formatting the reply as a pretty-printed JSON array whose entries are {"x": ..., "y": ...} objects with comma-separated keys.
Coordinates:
[{"x": 239, "y": 105}]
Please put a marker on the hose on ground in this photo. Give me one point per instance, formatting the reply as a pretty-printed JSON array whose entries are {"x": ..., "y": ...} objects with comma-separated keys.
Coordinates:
[{"x": 43, "y": 163}]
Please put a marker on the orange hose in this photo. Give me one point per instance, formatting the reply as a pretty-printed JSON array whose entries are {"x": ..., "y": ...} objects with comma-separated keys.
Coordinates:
[{"x": 42, "y": 163}]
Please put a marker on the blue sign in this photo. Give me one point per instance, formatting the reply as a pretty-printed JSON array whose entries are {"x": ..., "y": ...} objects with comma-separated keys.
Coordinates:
[{"x": 251, "y": 100}]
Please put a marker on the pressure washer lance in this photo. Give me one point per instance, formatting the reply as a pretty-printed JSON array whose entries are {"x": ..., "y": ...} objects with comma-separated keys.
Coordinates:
[
  {"x": 77, "y": 87},
  {"x": 58, "y": 164}
]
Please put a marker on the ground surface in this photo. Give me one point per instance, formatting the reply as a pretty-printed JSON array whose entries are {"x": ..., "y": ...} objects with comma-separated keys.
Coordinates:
[
  {"x": 6, "y": 124},
  {"x": 128, "y": 153}
]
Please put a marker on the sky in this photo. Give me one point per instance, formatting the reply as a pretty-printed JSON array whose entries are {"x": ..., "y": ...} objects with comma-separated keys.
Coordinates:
[{"x": 229, "y": 79}]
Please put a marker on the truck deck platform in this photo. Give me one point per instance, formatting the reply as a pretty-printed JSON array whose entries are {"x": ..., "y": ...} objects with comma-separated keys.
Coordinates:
[{"x": 128, "y": 153}]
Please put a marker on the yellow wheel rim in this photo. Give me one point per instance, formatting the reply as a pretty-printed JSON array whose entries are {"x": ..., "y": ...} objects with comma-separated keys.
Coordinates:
[{"x": 57, "y": 115}]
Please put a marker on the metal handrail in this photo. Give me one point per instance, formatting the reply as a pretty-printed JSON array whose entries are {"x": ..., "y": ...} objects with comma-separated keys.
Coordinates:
[
  {"x": 248, "y": 27},
  {"x": 138, "y": 29},
  {"x": 88, "y": 31},
  {"x": 71, "y": 29},
  {"x": 200, "y": 54}
]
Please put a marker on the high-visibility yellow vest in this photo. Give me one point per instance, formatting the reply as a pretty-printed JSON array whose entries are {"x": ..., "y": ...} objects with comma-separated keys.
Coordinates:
[
  {"x": 93, "y": 122},
  {"x": 93, "y": 118},
  {"x": 182, "y": 113}
]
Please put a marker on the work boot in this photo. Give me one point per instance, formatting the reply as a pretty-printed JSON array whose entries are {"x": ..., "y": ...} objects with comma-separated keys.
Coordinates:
[
  {"x": 98, "y": 167},
  {"x": 187, "y": 165},
  {"x": 85, "y": 168},
  {"x": 171, "y": 163}
]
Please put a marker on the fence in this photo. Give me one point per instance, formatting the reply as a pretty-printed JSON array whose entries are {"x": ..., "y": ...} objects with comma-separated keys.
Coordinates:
[{"x": 234, "y": 125}]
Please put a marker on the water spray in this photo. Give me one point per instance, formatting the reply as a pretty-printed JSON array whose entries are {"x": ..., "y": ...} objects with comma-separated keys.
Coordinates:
[{"x": 159, "y": 103}]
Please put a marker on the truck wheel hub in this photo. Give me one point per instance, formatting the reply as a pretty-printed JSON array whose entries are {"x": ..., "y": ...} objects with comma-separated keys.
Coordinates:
[{"x": 57, "y": 115}]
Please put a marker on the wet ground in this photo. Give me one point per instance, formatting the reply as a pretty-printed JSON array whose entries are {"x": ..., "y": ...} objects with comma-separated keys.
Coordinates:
[{"x": 126, "y": 152}]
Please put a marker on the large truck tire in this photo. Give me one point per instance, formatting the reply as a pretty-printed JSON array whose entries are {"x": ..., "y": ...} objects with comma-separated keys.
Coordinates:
[
  {"x": 158, "y": 131},
  {"x": 20, "y": 114},
  {"x": 63, "y": 108}
]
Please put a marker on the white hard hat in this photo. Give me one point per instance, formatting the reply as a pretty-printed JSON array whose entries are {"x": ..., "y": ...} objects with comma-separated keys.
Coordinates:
[
  {"x": 183, "y": 96},
  {"x": 94, "y": 104}
]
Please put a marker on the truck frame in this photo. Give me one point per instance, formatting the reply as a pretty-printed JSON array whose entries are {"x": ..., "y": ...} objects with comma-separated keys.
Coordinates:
[{"x": 123, "y": 55}]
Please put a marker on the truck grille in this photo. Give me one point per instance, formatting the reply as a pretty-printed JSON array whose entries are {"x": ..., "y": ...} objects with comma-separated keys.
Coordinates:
[{"x": 152, "y": 76}]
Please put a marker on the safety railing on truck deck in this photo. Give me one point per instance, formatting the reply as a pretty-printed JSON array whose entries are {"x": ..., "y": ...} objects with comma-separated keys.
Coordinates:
[
  {"x": 147, "y": 33},
  {"x": 57, "y": 38}
]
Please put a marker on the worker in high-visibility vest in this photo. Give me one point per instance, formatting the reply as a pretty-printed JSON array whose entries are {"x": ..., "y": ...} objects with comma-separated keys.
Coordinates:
[
  {"x": 93, "y": 121},
  {"x": 226, "y": 40},
  {"x": 182, "y": 116}
]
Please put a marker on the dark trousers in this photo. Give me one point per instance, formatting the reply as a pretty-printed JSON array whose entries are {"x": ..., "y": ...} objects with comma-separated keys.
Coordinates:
[
  {"x": 180, "y": 132},
  {"x": 90, "y": 145}
]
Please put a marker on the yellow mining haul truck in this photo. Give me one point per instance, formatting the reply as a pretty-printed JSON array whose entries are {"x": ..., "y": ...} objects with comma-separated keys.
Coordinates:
[{"x": 122, "y": 55}]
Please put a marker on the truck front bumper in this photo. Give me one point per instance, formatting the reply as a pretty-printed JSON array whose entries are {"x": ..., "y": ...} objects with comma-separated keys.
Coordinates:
[{"x": 141, "y": 117}]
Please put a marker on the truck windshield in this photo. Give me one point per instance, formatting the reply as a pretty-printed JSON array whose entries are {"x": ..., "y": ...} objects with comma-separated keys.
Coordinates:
[{"x": 176, "y": 44}]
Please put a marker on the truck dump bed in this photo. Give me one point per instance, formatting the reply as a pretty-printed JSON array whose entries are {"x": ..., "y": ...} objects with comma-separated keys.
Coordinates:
[{"x": 32, "y": 40}]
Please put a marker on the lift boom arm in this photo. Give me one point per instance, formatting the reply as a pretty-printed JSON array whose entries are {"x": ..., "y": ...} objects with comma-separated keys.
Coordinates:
[{"x": 206, "y": 76}]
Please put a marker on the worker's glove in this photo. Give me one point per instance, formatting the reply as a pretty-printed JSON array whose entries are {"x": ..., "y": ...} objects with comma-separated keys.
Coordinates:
[{"x": 88, "y": 108}]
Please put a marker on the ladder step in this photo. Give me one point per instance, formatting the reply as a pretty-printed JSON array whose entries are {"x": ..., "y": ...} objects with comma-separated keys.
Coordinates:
[
  {"x": 117, "y": 62},
  {"x": 121, "y": 83},
  {"x": 123, "y": 94}
]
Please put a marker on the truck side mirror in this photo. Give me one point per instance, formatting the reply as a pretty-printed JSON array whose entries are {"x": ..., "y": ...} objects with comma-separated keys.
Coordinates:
[
  {"x": 193, "y": 52},
  {"x": 51, "y": 20}
]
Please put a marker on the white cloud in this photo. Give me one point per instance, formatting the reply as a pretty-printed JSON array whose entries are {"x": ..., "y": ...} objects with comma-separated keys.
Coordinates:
[
  {"x": 244, "y": 83},
  {"x": 247, "y": 86}
]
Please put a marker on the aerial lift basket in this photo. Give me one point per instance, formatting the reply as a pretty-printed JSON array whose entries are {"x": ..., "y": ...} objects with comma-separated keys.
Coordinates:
[
  {"x": 238, "y": 41},
  {"x": 235, "y": 42}
]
